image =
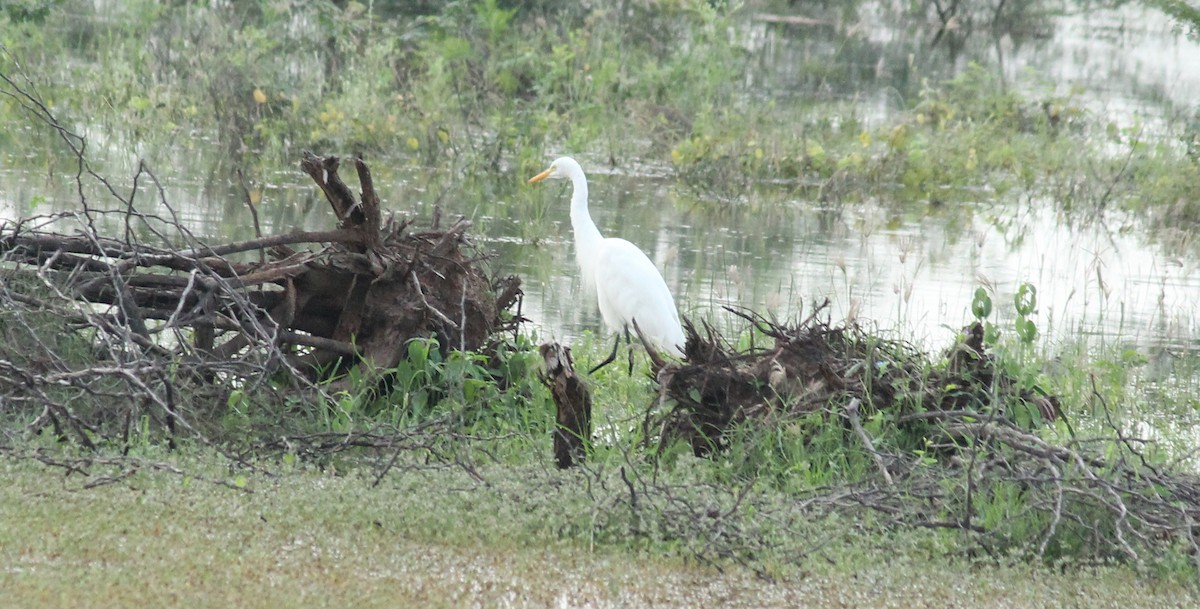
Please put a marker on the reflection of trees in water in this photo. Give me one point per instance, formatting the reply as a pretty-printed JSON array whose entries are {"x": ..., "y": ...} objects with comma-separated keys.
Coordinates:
[{"x": 840, "y": 52}]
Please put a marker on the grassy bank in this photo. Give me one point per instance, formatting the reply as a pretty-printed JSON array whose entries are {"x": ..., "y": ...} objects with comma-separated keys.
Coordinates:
[{"x": 435, "y": 539}]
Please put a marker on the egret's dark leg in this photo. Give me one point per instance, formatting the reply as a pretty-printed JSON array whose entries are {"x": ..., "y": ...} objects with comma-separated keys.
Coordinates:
[
  {"x": 611, "y": 356},
  {"x": 629, "y": 342}
]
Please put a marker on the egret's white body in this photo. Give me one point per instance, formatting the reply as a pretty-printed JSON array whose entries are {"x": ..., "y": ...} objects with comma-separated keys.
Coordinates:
[{"x": 628, "y": 286}]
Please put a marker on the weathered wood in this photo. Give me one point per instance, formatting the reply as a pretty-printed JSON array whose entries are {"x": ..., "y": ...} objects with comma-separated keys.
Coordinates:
[
  {"x": 355, "y": 297},
  {"x": 508, "y": 292},
  {"x": 372, "y": 214},
  {"x": 573, "y": 422},
  {"x": 324, "y": 171},
  {"x": 23, "y": 242}
]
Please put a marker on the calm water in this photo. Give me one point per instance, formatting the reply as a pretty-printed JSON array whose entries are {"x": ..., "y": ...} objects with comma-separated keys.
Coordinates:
[
  {"x": 911, "y": 270},
  {"x": 917, "y": 273},
  {"x": 917, "y": 277}
]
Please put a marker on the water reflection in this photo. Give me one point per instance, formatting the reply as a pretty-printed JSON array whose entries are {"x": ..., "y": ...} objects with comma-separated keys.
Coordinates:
[
  {"x": 1125, "y": 64},
  {"x": 916, "y": 277}
]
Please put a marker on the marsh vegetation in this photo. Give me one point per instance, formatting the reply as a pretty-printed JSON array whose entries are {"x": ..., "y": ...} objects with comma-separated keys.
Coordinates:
[{"x": 941, "y": 274}]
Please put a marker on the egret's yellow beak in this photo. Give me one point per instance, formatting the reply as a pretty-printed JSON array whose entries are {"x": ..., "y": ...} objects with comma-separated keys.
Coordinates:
[{"x": 541, "y": 176}]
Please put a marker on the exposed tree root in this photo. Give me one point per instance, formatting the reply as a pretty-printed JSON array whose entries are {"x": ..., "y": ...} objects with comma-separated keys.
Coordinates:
[
  {"x": 811, "y": 366},
  {"x": 166, "y": 309}
]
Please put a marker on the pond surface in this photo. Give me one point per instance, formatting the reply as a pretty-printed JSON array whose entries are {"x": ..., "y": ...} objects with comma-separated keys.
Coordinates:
[
  {"x": 916, "y": 276},
  {"x": 911, "y": 270},
  {"x": 917, "y": 272}
]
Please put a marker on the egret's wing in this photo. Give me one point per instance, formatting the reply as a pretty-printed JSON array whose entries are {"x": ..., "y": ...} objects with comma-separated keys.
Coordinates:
[{"x": 629, "y": 287}]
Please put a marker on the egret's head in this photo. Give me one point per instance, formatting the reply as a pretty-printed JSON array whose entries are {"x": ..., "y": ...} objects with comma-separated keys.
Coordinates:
[{"x": 562, "y": 168}]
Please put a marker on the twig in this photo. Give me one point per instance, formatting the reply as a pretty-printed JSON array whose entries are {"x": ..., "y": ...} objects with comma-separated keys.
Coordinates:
[
  {"x": 852, "y": 414},
  {"x": 432, "y": 309},
  {"x": 262, "y": 256}
]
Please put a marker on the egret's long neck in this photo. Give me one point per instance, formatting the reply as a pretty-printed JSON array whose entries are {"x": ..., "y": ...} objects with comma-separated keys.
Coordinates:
[{"x": 587, "y": 236}]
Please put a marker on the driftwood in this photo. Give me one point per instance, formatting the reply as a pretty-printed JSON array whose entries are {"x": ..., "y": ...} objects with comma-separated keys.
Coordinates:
[{"x": 351, "y": 297}]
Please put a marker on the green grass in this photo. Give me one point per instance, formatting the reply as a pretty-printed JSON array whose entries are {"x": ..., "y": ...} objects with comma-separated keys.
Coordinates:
[{"x": 438, "y": 539}]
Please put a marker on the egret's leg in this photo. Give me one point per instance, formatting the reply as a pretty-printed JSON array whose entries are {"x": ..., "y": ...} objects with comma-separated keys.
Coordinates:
[
  {"x": 611, "y": 356},
  {"x": 629, "y": 343}
]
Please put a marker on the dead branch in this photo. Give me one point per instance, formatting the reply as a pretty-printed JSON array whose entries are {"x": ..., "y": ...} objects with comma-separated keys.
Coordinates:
[{"x": 852, "y": 414}]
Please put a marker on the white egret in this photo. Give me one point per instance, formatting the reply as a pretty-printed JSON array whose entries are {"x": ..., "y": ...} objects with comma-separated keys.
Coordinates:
[{"x": 628, "y": 286}]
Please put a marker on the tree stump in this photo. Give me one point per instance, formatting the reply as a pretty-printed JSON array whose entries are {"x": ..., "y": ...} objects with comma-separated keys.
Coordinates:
[{"x": 573, "y": 421}]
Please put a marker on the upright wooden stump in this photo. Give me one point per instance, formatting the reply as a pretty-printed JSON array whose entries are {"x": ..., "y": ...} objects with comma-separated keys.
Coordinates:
[{"x": 573, "y": 428}]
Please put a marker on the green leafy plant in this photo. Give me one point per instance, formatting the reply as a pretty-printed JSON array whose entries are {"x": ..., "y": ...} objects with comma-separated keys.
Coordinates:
[{"x": 1025, "y": 303}]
